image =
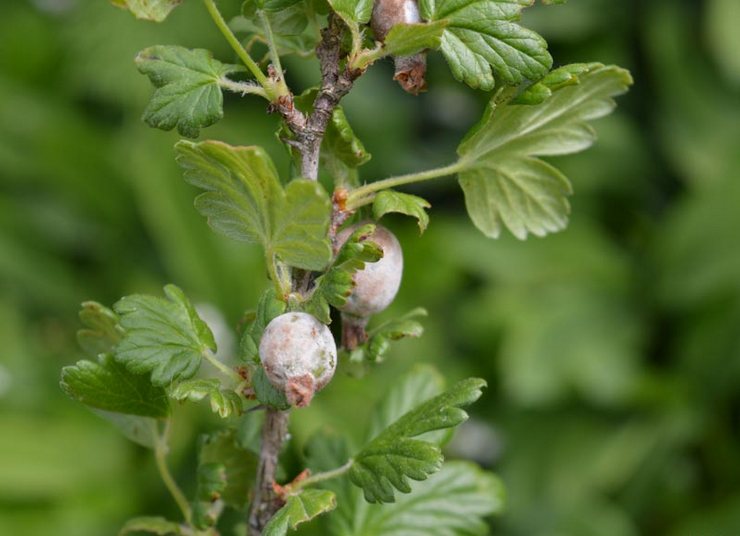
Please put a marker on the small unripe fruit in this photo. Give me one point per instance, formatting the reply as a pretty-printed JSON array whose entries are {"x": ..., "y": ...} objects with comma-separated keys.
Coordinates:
[
  {"x": 299, "y": 356},
  {"x": 377, "y": 284}
]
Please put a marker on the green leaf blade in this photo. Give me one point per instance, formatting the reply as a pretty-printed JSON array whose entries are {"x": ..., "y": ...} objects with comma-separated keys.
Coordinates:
[
  {"x": 408, "y": 39},
  {"x": 151, "y": 525},
  {"x": 504, "y": 180},
  {"x": 389, "y": 201},
  {"x": 353, "y": 11},
  {"x": 108, "y": 386},
  {"x": 482, "y": 42},
  {"x": 224, "y": 402},
  {"x": 165, "y": 338},
  {"x": 151, "y": 10},
  {"x": 245, "y": 201},
  {"x": 393, "y": 456},
  {"x": 188, "y": 93},
  {"x": 300, "y": 509}
]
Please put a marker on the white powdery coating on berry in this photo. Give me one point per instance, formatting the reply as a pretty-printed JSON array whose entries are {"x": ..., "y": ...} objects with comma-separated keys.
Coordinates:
[
  {"x": 377, "y": 284},
  {"x": 299, "y": 355}
]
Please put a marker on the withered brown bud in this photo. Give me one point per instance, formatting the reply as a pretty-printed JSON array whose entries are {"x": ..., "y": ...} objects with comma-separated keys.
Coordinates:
[{"x": 410, "y": 70}]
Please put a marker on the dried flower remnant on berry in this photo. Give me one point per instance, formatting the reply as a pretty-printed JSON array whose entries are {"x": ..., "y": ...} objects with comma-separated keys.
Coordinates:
[{"x": 410, "y": 70}]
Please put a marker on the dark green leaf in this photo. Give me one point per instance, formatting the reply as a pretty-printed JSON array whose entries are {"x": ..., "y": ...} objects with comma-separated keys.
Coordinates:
[
  {"x": 244, "y": 200},
  {"x": 107, "y": 385},
  {"x": 208, "y": 505},
  {"x": 240, "y": 465},
  {"x": 504, "y": 181},
  {"x": 224, "y": 402},
  {"x": 153, "y": 10},
  {"x": 163, "y": 337},
  {"x": 152, "y": 525},
  {"x": 299, "y": 509},
  {"x": 483, "y": 43},
  {"x": 188, "y": 94},
  {"x": 102, "y": 331},
  {"x": 408, "y": 39},
  {"x": 410, "y": 205},
  {"x": 336, "y": 285},
  {"x": 393, "y": 456},
  {"x": 555, "y": 79}
]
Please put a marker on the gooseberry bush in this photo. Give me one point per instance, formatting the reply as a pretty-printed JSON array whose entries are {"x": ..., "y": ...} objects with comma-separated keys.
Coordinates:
[{"x": 324, "y": 251}]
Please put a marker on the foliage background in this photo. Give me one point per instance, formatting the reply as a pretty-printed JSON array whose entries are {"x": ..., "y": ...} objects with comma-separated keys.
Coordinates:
[{"x": 612, "y": 350}]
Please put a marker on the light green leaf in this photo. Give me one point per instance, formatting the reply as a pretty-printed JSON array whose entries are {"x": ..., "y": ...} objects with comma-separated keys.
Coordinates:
[
  {"x": 504, "y": 181},
  {"x": 299, "y": 509},
  {"x": 143, "y": 431},
  {"x": 102, "y": 331},
  {"x": 240, "y": 465},
  {"x": 152, "y": 525},
  {"x": 244, "y": 200},
  {"x": 410, "y": 205},
  {"x": 188, "y": 94},
  {"x": 353, "y": 11},
  {"x": 539, "y": 92},
  {"x": 336, "y": 285},
  {"x": 483, "y": 43},
  {"x": 163, "y": 337},
  {"x": 207, "y": 506},
  {"x": 393, "y": 457},
  {"x": 408, "y": 39},
  {"x": 450, "y": 503},
  {"x": 153, "y": 10},
  {"x": 224, "y": 402},
  {"x": 380, "y": 338},
  {"x": 108, "y": 386}
]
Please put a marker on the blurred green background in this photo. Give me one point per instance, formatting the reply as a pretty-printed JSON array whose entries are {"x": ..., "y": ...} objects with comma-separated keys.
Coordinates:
[{"x": 612, "y": 350}]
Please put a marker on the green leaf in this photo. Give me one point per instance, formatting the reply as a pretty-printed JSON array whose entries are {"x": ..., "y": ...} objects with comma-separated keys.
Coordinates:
[
  {"x": 299, "y": 509},
  {"x": 504, "y": 181},
  {"x": 483, "y": 44},
  {"x": 108, "y": 386},
  {"x": 342, "y": 152},
  {"x": 207, "y": 506},
  {"x": 417, "y": 386},
  {"x": 291, "y": 31},
  {"x": 380, "y": 337},
  {"x": 268, "y": 308},
  {"x": 240, "y": 465},
  {"x": 102, "y": 331},
  {"x": 353, "y": 11},
  {"x": 244, "y": 200},
  {"x": 152, "y": 525},
  {"x": 452, "y": 502},
  {"x": 410, "y": 205},
  {"x": 393, "y": 456},
  {"x": 188, "y": 94},
  {"x": 143, "y": 431},
  {"x": 265, "y": 392},
  {"x": 163, "y": 337},
  {"x": 224, "y": 402},
  {"x": 555, "y": 79},
  {"x": 336, "y": 285},
  {"x": 408, "y": 39},
  {"x": 153, "y": 10}
]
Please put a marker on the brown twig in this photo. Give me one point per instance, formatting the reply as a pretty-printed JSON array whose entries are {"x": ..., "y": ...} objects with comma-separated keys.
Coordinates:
[{"x": 308, "y": 130}]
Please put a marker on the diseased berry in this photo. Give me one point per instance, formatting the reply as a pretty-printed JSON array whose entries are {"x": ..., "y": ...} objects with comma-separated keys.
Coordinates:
[
  {"x": 410, "y": 70},
  {"x": 299, "y": 356},
  {"x": 377, "y": 284}
]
